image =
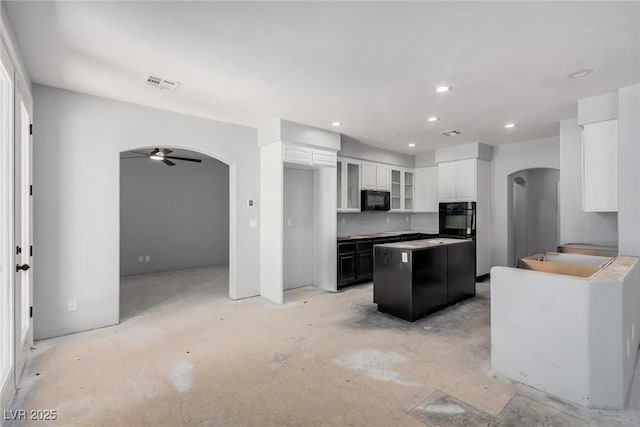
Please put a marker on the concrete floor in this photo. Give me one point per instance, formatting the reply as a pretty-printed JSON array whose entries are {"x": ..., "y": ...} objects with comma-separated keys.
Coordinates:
[{"x": 185, "y": 354}]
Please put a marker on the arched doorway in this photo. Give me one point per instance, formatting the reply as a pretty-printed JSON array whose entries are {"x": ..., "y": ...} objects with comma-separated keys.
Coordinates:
[
  {"x": 174, "y": 229},
  {"x": 533, "y": 224}
]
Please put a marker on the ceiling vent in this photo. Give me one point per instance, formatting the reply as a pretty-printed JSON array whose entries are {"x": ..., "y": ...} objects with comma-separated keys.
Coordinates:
[
  {"x": 451, "y": 133},
  {"x": 162, "y": 84}
]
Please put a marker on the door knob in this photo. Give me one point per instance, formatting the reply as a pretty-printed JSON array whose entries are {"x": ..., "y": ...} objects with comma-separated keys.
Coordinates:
[{"x": 23, "y": 267}]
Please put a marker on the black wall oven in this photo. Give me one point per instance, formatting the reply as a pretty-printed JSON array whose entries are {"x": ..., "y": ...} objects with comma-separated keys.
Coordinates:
[
  {"x": 375, "y": 200},
  {"x": 458, "y": 220}
]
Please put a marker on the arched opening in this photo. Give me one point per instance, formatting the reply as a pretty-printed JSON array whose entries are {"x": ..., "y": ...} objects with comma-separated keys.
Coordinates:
[
  {"x": 533, "y": 224},
  {"x": 175, "y": 229}
]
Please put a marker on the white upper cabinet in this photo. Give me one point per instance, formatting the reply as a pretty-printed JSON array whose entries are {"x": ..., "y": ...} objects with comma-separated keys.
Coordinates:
[
  {"x": 376, "y": 177},
  {"x": 457, "y": 181},
  {"x": 299, "y": 155},
  {"x": 383, "y": 178},
  {"x": 600, "y": 166},
  {"x": 348, "y": 180},
  {"x": 408, "y": 190},
  {"x": 446, "y": 182},
  {"x": 402, "y": 189},
  {"x": 308, "y": 156},
  {"x": 368, "y": 176},
  {"x": 396, "y": 189},
  {"x": 426, "y": 189}
]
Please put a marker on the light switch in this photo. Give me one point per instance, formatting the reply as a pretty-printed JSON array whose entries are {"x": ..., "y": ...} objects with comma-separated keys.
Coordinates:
[
  {"x": 343, "y": 221},
  {"x": 253, "y": 223},
  {"x": 147, "y": 258},
  {"x": 141, "y": 258},
  {"x": 405, "y": 257}
]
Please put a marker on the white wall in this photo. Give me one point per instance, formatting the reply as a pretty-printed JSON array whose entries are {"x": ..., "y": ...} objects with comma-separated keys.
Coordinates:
[
  {"x": 357, "y": 150},
  {"x": 577, "y": 226},
  {"x": 178, "y": 215},
  {"x": 298, "y": 237},
  {"x": 78, "y": 139},
  {"x": 271, "y": 215},
  {"x": 372, "y": 222},
  {"x": 427, "y": 222},
  {"x": 426, "y": 159},
  {"x": 628, "y": 171},
  {"x": 543, "y": 206},
  {"x": 507, "y": 159}
]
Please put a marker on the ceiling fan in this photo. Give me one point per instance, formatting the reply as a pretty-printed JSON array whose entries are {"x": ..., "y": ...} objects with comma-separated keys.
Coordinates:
[{"x": 163, "y": 156}]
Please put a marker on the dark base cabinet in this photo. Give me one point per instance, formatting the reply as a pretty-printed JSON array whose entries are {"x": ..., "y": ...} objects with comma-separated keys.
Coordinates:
[
  {"x": 411, "y": 283},
  {"x": 355, "y": 257}
]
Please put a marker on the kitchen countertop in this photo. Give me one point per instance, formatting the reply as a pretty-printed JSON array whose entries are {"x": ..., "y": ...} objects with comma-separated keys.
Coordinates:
[
  {"x": 384, "y": 234},
  {"x": 422, "y": 244}
]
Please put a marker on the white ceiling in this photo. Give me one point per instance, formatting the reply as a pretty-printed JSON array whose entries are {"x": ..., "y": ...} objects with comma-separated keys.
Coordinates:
[{"x": 372, "y": 66}]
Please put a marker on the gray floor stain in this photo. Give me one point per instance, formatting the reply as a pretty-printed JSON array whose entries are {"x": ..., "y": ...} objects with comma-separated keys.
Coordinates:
[
  {"x": 521, "y": 411},
  {"x": 461, "y": 319},
  {"x": 280, "y": 360},
  {"x": 441, "y": 409},
  {"x": 376, "y": 364}
]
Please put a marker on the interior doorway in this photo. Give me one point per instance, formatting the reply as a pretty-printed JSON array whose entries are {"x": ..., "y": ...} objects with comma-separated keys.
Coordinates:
[
  {"x": 533, "y": 212},
  {"x": 174, "y": 229}
]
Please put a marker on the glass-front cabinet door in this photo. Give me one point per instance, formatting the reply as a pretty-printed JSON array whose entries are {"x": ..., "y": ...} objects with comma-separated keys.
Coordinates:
[
  {"x": 408, "y": 191},
  {"x": 348, "y": 185},
  {"x": 396, "y": 190},
  {"x": 339, "y": 180},
  {"x": 353, "y": 186}
]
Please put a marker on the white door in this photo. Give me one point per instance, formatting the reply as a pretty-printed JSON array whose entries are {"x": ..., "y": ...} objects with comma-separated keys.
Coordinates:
[
  {"x": 7, "y": 267},
  {"x": 23, "y": 226}
]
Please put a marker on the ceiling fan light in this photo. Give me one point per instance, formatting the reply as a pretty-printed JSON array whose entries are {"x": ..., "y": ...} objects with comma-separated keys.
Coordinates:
[{"x": 156, "y": 157}]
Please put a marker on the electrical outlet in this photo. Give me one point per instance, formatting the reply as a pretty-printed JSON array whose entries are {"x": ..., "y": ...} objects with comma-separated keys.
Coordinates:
[
  {"x": 633, "y": 331},
  {"x": 141, "y": 258},
  {"x": 147, "y": 258},
  {"x": 406, "y": 219},
  {"x": 388, "y": 220},
  {"x": 628, "y": 348},
  {"x": 250, "y": 203},
  {"x": 343, "y": 221},
  {"x": 253, "y": 223},
  {"x": 72, "y": 305},
  {"x": 289, "y": 222}
]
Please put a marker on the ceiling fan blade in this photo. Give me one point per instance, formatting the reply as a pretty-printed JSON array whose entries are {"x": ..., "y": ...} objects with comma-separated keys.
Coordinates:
[
  {"x": 186, "y": 159},
  {"x": 154, "y": 152},
  {"x": 134, "y": 157},
  {"x": 165, "y": 151},
  {"x": 168, "y": 162},
  {"x": 140, "y": 152}
]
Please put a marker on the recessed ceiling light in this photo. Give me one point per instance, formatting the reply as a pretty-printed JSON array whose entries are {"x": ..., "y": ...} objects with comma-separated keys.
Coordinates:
[
  {"x": 510, "y": 125},
  {"x": 411, "y": 144},
  {"x": 433, "y": 119},
  {"x": 442, "y": 89},
  {"x": 336, "y": 124},
  {"x": 580, "y": 73}
]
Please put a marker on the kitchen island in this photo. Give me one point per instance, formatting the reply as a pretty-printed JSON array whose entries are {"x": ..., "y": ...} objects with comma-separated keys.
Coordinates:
[{"x": 414, "y": 278}]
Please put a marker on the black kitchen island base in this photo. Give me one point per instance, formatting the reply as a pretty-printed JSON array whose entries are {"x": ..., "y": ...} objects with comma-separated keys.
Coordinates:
[{"x": 413, "y": 279}]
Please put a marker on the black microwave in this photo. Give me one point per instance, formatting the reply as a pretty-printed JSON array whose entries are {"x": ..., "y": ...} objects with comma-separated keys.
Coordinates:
[{"x": 375, "y": 200}]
